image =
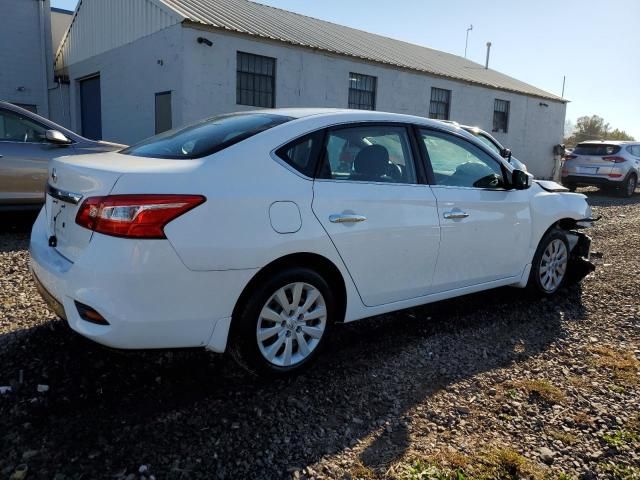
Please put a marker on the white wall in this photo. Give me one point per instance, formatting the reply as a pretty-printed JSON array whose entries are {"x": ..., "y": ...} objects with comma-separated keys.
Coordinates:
[
  {"x": 308, "y": 78},
  {"x": 25, "y": 52},
  {"x": 203, "y": 83},
  {"x": 130, "y": 76}
]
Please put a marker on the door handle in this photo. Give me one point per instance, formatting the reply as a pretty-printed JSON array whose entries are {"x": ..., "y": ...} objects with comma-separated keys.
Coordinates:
[
  {"x": 455, "y": 214},
  {"x": 346, "y": 218}
]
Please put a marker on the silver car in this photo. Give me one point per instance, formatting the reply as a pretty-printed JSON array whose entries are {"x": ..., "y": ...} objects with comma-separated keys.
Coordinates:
[
  {"x": 27, "y": 143},
  {"x": 605, "y": 164}
]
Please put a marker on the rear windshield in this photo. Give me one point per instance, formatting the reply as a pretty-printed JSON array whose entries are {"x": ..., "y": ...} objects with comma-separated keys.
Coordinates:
[
  {"x": 597, "y": 149},
  {"x": 206, "y": 137}
]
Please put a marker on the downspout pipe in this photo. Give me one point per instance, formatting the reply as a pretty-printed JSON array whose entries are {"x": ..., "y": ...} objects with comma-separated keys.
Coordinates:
[{"x": 43, "y": 61}]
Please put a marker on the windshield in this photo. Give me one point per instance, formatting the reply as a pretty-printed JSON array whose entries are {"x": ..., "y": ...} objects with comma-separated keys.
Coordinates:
[
  {"x": 206, "y": 136},
  {"x": 488, "y": 142}
]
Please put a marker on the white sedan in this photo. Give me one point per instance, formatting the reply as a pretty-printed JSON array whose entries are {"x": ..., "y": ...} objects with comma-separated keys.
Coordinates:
[{"x": 256, "y": 232}]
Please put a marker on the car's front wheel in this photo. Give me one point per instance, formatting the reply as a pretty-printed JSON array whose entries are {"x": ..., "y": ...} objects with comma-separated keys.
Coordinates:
[
  {"x": 284, "y": 323},
  {"x": 550, "y": 263}
]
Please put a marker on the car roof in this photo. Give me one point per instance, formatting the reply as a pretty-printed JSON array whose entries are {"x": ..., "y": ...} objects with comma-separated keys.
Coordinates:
[
  {"x": 347, "y": 115},
  {"x": 610, "y": 142}
]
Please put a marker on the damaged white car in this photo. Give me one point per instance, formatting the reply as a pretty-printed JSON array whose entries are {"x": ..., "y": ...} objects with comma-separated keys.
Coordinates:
[{"x": 257, "y": 232}]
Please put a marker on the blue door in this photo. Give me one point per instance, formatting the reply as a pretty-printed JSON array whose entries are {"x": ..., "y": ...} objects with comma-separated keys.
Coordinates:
[{"x": 90, "y": 108}]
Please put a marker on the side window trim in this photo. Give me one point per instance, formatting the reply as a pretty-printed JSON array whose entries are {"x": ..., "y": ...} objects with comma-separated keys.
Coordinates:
[
  {"x": 415, "y": 157},
  {"x": 429, "y": 166}
]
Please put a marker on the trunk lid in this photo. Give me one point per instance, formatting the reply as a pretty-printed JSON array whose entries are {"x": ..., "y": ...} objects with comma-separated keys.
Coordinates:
[{"x": 73, "y": 179}]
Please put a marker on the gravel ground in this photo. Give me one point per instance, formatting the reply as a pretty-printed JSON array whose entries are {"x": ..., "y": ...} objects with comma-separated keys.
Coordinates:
[{"x": 493, "y": 385}]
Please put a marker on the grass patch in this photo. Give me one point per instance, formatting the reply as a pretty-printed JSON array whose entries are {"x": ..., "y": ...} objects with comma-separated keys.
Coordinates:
[
  {"x": 564, "y": 437},
  {"x": 492, "y": 464},
  {"x": 621, "y": 472},
  {"x": 581, "y": 418},
  {"x": 623, "y": 364},
  {"x": 541, "y": 390},
  {"x": 621, "y": 438},
  {"x": 361, "y": 472}
]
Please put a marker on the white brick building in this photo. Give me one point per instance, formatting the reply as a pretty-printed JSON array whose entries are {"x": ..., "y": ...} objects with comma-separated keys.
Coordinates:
[
  {"x": 140, "y": 66},
  {"x": 26, "y": 58}
]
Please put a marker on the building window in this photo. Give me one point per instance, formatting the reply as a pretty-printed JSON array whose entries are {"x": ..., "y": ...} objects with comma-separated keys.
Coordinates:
[
  {"x": 500, "y": 116},
  {"x": 256, "y": 80},
  {"x": 362, "y": 91},
  {"x": 440, "y": 103},
  {"x": 31, "y": 108},
  {"x": 163, "y": 112}
]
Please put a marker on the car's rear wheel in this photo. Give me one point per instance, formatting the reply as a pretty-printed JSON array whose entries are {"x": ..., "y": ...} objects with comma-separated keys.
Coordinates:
[
  {"x": 629, "y": 186},
  {"x": 284, "y": 323},
  {"x": 550, "y": 263}
]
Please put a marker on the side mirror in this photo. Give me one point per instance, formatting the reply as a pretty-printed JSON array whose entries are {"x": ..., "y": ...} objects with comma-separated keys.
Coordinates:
[
  {"x": 520, "y": 180},
  {"x": 57, "y": 138},
  {"x": 505, "y": 153}
]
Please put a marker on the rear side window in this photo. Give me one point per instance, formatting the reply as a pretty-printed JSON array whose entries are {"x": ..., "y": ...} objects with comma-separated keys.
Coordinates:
[
  {"x": 596, "y": 149},
  {"x": 206, "y": 137},
  {"x": 370, "y": 153},
  {"x": 301, "y": 154}
]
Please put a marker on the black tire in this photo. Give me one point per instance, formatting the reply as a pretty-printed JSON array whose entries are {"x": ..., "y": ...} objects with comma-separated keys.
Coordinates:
[
  {"x": 629, "y": 186},
  {"x": 536, "y": 285},
  {"x": 571, "y": 186},
  {"x": 244, "y": 345}
]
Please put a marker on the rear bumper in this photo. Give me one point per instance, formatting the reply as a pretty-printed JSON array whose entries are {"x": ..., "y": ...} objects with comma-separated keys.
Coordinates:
[
  {"x": 586, "y": 180},
  {"x": 147, "y": 295}
]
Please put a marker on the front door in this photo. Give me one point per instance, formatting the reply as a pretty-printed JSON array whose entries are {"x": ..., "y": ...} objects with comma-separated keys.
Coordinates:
[
  {"x": 91, "y": 108},
  {"x": 486, "y": 229},
  {"x": 383, "y": 222},
  {"x": 24, "y": 157}
]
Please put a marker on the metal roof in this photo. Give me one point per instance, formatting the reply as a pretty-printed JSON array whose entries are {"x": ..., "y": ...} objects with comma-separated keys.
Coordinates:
[{"x": 263, "y": 21}]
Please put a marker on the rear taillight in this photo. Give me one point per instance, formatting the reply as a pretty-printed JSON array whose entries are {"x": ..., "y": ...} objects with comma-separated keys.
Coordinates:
[
  {"x": 134, "y": 216},
  {"x": 569, "y": 157},
  {"x": 614, "y": 159}
]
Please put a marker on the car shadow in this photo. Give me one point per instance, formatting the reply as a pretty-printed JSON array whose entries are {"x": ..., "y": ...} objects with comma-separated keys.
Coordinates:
[
  {"x": 608, "y": 198},
  {"x": 191, "y": 414}
]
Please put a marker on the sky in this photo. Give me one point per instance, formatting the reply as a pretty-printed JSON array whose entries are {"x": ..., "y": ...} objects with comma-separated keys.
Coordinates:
[{"x": 539, "y": 42}]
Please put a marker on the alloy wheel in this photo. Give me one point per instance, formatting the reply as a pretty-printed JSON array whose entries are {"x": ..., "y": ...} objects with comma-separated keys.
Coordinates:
[
  {"x": 553, "y": 265},
  {"x": 291, "y": 324}
]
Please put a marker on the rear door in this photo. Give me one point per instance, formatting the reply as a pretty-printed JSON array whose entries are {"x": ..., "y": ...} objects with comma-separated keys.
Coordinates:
[
  {"x": 486, "y": 229},
  {"x": 24, "y": 157},
  {"x": 381, "y": 218}
]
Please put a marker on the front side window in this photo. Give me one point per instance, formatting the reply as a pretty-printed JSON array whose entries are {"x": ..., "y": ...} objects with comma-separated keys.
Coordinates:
[
  {"x": 372, "y": 153},
  {"x": 255, "y": 80},
  {"x": 500, "y": 116},
  {"x": 206, "y": 137},
  {"x": 362, "y": 91},
  {"x": 458, "y": 163},
  {"x": 440, "y": 103},
  {"x": 18, "y": 128}
]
